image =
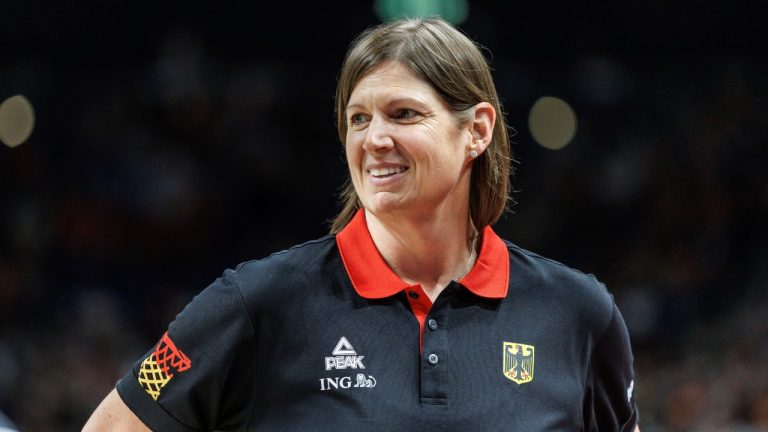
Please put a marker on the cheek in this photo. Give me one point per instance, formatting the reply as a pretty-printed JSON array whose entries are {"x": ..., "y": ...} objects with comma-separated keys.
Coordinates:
[
  {"x": 351, "y": 149},
  {"x": 353, "y": 153},
  {"x": 446, "y": 157},
  {"x": 458, "y": 152}
]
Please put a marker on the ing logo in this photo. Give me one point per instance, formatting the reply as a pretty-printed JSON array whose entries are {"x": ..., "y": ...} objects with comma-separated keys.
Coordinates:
[{"x": 343, "y": 357}]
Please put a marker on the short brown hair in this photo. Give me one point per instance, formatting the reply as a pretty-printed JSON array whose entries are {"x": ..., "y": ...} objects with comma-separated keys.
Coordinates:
[{"x": 456, "y": 69}]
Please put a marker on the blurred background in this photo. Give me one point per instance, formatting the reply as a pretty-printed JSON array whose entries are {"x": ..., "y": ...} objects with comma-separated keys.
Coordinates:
[{"x": 148, "y": 146}]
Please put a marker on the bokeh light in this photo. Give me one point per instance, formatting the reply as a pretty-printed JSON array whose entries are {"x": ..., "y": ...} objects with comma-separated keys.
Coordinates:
[
  {"x": 17, "y": 119},
  {"x": 552, "y": 122},
  {"x": 453, "y": 11}
]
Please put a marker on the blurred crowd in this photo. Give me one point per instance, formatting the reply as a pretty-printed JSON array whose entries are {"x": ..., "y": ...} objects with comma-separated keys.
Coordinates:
[
  {"x": 151, "y": 172},
  {"x": 664, "y": 196}
]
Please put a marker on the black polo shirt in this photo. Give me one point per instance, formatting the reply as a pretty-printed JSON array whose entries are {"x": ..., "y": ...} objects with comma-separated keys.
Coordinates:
[{"x": 325, "y": 337}]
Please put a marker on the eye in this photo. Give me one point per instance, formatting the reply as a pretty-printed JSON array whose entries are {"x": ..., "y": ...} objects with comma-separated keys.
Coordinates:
[
  {"x": 357, "y": 119},
  {"x": 405, "y": 114}
]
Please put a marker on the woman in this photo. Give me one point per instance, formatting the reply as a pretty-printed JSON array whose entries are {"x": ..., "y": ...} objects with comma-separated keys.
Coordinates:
[{"x": 413, "y": 314}]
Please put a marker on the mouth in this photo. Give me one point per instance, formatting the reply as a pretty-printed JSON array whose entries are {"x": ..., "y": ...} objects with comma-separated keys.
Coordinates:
[{"x": 382, "y": 173}]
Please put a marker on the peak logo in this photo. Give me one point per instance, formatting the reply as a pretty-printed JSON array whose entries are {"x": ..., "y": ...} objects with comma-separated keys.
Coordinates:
[{"x": 344, "y": 357}]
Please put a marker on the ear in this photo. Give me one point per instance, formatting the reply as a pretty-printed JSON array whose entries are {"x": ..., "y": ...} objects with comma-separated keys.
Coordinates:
[{"x": 481, "y": 127}]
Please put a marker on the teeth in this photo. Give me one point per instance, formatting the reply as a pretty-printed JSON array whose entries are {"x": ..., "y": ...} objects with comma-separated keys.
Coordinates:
[{"x": 378, "y": 172}]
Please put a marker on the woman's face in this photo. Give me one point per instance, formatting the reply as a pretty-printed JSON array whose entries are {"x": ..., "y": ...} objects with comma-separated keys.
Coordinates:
[{"x": 406, "y": 151}]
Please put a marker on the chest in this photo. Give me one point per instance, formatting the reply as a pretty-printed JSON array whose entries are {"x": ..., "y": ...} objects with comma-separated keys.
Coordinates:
[{"x": 478, "y": 366}]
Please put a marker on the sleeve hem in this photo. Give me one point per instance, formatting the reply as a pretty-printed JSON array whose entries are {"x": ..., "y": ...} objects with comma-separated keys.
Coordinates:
[
  {"x": 631, "y": 423},
  {"x": 147, "y": 410}
]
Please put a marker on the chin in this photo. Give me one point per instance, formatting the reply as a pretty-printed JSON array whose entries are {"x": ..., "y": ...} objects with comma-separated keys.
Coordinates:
[{"x": 385, "y": 203}]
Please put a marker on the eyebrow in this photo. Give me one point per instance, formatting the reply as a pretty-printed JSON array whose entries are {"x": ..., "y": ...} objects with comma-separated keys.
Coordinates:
[{"x": 402, "y": 100}]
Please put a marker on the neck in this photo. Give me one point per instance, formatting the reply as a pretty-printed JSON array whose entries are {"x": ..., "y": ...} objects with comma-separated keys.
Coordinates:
[{"x": 429, "y": 251}]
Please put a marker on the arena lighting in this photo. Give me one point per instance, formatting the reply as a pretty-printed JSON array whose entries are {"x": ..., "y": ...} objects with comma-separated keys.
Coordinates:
[
  {"x": 17, "y": 119},
  {"x": 552, "y": 122},
  {"x": 453, "y": 11}
]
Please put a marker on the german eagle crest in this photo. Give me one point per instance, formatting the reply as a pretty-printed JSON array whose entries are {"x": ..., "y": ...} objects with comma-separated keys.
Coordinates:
[{"x": 518, "y": 362}]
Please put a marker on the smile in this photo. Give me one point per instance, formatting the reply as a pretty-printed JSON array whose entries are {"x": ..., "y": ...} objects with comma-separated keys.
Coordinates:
[{"x": 386, "y": 172}]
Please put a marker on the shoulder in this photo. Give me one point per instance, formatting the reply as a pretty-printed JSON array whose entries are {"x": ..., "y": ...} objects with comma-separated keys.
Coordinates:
[
  {"x": 303, "y": 257},
  {"x": 282, "y": 273},
  {"x": 565, "y": 290}
]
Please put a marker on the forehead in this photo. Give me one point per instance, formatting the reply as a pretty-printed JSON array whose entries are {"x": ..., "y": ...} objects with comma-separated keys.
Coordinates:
[{"x": 390, "y": 77}]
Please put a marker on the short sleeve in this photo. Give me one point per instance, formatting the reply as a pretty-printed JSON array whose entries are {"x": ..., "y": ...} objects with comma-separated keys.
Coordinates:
[
  {"x": 200, "y": 374},
  {"x": 609, "y": 404}
]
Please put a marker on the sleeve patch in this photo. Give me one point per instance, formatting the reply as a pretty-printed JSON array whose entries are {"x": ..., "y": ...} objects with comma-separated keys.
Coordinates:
[{"x": 157, "y": 369}]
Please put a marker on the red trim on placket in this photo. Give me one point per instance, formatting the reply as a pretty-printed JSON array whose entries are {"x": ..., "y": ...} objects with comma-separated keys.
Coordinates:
[
  {"x": 373, "y": 279},
  {"x": 420, "y": 306}
]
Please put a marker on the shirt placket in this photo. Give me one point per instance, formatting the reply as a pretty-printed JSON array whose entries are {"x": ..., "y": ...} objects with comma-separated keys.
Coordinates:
[{"x": 434, "y": 359}]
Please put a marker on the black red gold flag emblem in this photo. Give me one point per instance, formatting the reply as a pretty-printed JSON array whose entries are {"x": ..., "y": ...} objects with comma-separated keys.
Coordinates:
[
  {"x": 518, "y": 362},
  {"x": 157, "y": 369}
]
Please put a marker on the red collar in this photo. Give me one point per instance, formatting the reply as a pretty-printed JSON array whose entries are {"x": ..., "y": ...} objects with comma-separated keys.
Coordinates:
[{"x": 373, "y": 279}]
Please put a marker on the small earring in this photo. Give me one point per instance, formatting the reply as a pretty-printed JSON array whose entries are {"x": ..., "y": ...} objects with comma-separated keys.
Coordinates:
[{"x": 473, "y": 154}]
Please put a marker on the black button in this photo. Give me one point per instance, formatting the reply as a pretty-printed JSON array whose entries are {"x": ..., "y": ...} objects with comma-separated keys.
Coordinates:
[
  {"x": 413, "y": 294},
  {"x": 432, "y": 324},
  {"x": 433, "y": 359}
]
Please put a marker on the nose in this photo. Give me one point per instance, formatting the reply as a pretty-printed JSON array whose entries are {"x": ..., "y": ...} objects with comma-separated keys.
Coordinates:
[{"x": 378, "y": 137}]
